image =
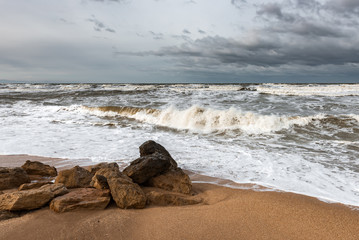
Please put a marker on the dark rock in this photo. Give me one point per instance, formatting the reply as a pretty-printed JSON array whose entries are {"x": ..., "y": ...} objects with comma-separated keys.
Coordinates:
[
  {"x": 27, "y": 186},
  {"x": 38, "y": 168},
  {"x": 76, "y": 177},
  {"x": 150, "y": 147},
  {"x": 82, "y": 198},
  {"x": 143, "y": 168},
  {"x": 93, "y": 169},
  {"x": 163, "y": 198},
  {"x": 99, "y": 182},
  {"x": 174, "y": 180},
  {"x": 4, "y": 215},
  {"x": 12, "y": 177}
]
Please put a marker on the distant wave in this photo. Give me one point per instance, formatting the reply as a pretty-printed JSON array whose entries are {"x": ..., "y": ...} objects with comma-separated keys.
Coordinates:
[
  {"x": 199, "y": 119},
  {"x": 335, "y": 90}
]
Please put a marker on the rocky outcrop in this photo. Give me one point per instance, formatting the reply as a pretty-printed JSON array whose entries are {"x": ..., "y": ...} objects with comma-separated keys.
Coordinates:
[
  {"x": 12, "y": 177},
  {"x": 143, "y": 168},
  {"x": 174, "y": 180},
  {"x": 82, "y": 198},
  {"x": 126, "y": 194},
  {"x": 27, "y": 186},
  {"x": 165, "y": 198},
  {"x": 150, "y": 147},
  {"x": 76, "y": 177},
  {"x": 38, "y": 168},
  {"x": 30, "y": 199},
  {"x": 93, "y": 169}
]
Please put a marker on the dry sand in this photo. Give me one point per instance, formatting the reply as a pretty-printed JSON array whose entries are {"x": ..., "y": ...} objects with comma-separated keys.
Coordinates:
[{"x": 226, "y": 214}]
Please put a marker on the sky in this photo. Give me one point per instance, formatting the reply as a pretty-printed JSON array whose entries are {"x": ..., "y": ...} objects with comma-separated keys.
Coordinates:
[{"x": 168, "y": 41}]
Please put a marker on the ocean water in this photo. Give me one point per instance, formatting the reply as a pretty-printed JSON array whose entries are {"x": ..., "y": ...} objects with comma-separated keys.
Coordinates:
[{"x": 296, "y": 138}]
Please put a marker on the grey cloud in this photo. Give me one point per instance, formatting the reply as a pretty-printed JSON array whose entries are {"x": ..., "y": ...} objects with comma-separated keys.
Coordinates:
[
  {"x": 156, "y": 36},
  {"x": 201, "y": 31},
  {"x": 274, "y": 10},
  {"x": 185, "y": 31},
  {"x": 99, "y": 26},
  {"x": 238, "y": 3},
  {"x": 346, "y": 7}
]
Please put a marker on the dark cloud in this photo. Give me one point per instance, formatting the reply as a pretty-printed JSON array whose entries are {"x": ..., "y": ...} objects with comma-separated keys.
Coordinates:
[
  {"x": 156, "y": 36},
  {"x": 346, "y": 7},
  {"x": 201, "y": 31},
  {"x": 100, "y": 26},
  {"x": 238, "y": 3},
  {"x": 185, "y": 31}
]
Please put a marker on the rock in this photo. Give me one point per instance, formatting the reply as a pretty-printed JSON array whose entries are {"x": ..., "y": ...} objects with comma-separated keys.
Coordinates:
[
  {"x": 75, "y": 177},
  {"x": 164, "y": 198},
  {"x": 27, "y": 186},
  {"x": 38, "y": 168},
  {"x": 174, "y": 180},
  {"x": 4, "y": 215},
  {"x": 82, "y": 198},
  {"x": 143, "y": 168},
  {"x": 31, "y": 199},
  {"x": 93, "y": 169},
  {"x": 99, "y": 182},
  {"x": 150, "y": 147},
  {"x": 1, "y": 192},
  {"x": 12, "y": 177},
  {"x": 126, "y": 194}
]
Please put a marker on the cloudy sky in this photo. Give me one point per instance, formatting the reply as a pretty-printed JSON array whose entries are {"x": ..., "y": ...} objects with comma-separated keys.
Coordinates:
[{"x": 179, "y": 40}]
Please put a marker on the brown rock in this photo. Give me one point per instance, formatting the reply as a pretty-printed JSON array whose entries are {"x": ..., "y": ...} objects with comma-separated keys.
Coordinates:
[
  {"x": 150, "y": 147},
  {"x": 174, "y": 180},
  {"x": 126, "y": 194},
  {"x": 38, "y": 168},
  {"x": 30, "y": 199},
  {"x": 27, "y": 186},
  {"x": 75, "y": 177},
  {"x": 82, "y": 198},
  {"x": 164, "y": 198},
  {"x": 93, "y": 169},
  {"x": 12, "y": 177},
  {"x": 143, "y": 168},
  {"x": 99, "y": 182}
]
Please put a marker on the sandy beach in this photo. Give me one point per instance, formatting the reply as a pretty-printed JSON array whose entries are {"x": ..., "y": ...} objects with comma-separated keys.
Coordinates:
[{"x": 226, "y": 213}]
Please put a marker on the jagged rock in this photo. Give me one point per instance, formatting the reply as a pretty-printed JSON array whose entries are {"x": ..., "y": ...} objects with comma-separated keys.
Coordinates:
[
  {"x": 38, "y": 168},
  {"x": 12, "y": 177},
  {"x": 27, "y": 186},
  {"x": 150, "y": 147},
  {"x": 99, "y": 182},
  {"x": 82, "y": 198},
  {"x": 126, "y": 194},
  {"x": 164, "y": 198},
  {"x": 174, "y": 180},
  {"x": 143, "y": 168},
  {"x": 30, "y": 199},
  {"x": 4, "y": 215},
  {"x": 75, "y": 177},
  {"x": 93, "y": 169}
]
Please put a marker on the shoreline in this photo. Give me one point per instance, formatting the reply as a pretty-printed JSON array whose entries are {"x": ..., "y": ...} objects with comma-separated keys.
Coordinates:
[{"x": 226, "y": 213}]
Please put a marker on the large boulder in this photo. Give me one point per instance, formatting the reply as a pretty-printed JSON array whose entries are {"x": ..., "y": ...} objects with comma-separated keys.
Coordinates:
[
  {"x": 12, "y": 177},
  {"x": 27, "y": 186},
  {"x": 126, "y": 194},
  {"x": 143, "y": 168},
  {"x": 124, "y": 191},
  {"x": 163, "y": 198},
  {"x": 150, "y": 147},
  {"x": 38, "y": 168},
  {"x": 82, "y": 198},
  {"x": 93, "y": 169},
  {"x": 174, "y": 180},
  {"x": 30, "y": 199},
  {"x": 76, "y": 177}
]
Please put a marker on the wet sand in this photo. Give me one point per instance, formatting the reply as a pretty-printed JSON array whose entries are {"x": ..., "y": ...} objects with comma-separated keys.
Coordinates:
[{"x": 226, "y": 213}]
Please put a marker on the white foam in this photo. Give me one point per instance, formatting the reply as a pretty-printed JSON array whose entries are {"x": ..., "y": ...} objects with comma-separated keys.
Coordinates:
[{"x": 310, "y": 90}]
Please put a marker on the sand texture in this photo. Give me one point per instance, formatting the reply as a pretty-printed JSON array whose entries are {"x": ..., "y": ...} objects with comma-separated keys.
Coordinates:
[{"x": 226, "y": 213}]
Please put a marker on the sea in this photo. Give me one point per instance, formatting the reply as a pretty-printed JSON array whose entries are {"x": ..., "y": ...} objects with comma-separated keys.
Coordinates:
[{"x": 301, "y": 138}]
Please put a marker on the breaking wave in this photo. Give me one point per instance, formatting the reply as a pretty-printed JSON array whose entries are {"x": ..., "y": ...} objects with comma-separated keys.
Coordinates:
[
  {"x": 310, "y": 90},
  {"x": 199, "y": 119}
]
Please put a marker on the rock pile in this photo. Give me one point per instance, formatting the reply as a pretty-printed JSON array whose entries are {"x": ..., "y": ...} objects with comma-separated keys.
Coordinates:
[{"x": 152, "y": 179}]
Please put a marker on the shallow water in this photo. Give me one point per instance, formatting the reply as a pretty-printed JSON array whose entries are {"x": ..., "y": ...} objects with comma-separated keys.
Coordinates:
[{"x": 297, "y": 138}]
